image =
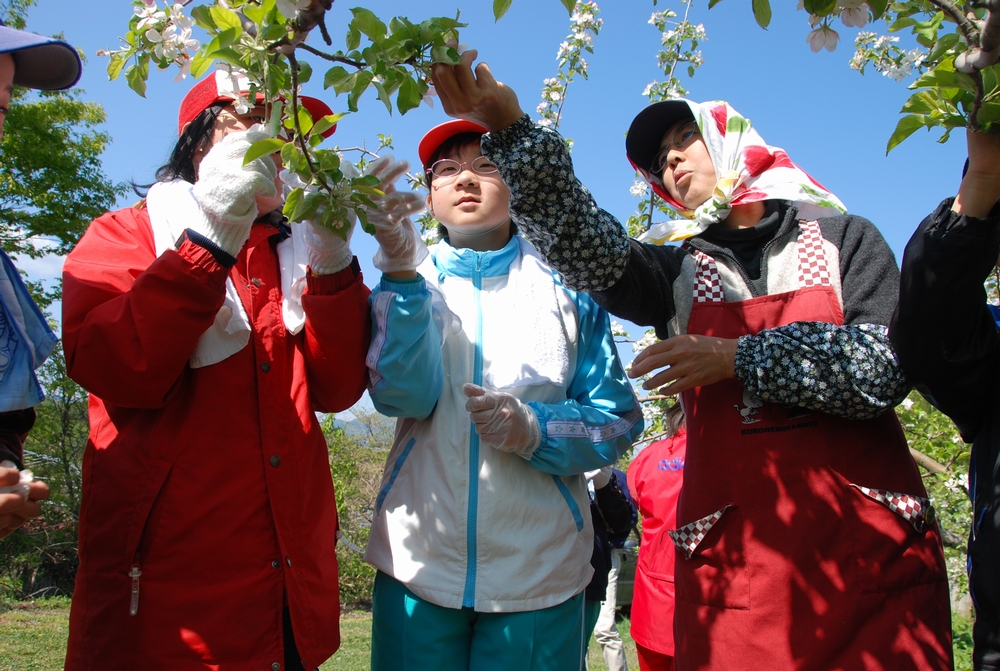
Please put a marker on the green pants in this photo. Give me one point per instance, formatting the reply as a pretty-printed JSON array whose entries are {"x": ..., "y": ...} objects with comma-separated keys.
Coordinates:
[{"x": 410, "y": 634}]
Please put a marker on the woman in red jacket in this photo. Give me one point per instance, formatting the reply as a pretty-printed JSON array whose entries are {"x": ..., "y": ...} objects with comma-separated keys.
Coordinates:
[
  {"x": 208, "y": 522},
  {"x": 655, "y": 477}
]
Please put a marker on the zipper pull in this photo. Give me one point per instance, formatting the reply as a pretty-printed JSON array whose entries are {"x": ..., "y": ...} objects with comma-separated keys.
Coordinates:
[{"x": 134, "y": 574}]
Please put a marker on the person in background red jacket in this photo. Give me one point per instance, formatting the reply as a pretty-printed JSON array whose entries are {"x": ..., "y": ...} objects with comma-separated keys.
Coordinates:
[
  {"x": 208, "y": 521},
  {"x": 655, "y": 477}
]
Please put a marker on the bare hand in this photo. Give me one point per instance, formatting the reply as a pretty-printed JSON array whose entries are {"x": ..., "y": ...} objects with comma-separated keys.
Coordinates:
[
  {"x": 980, "y": 188},
  {"x": 15, "y": 510},
  {"x": 475, "y": 96},
  {"x": 689, "y": 361}
]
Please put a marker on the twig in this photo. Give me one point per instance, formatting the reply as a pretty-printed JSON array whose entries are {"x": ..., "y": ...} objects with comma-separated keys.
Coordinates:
[
  {"x": 654, "y": 397},
  {"x": 299, "y": 137},
  {"x": 322, "y": 54}
]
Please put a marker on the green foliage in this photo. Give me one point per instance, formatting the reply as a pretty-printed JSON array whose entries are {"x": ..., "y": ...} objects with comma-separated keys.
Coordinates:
[
  {"x": 357, "y": 457},
  {"x": 51, "y": 180}
]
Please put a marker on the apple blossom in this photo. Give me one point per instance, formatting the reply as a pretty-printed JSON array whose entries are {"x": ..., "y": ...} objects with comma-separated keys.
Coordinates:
[{"x": 823, "y": 37}]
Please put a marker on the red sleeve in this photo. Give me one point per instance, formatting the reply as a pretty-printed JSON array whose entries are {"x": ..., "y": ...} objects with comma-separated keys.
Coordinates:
[
  {"x": 338, "y": 329},
  {"x": 131, "y": 319}
]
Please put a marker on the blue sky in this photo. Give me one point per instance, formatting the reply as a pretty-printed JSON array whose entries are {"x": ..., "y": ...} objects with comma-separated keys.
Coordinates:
[{"x": 831, "y": 120}]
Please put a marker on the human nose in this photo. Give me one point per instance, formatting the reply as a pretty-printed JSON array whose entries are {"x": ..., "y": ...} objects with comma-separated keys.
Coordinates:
[{"x": 467, "y": 175}]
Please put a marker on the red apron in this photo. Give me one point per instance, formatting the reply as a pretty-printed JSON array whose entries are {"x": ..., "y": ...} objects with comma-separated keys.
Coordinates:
[{"x": 806, "y": 541}]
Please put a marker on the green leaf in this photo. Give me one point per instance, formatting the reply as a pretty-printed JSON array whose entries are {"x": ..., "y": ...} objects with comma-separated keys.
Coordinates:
[
  {"x": 255, "y": 14},
  {"x": 369, "y": 24},
  {"x": 264, "y": 147},
  {"x": 711, "y": 3},
  {"x": 363, "y": 220},
  {"x": 906, "y": 127},
  {"x": 362, "y": 80},
  {"x": 226, "y": 19},
  {"x": 229, "y": 55},
  {"x": 445, "y": 54},
  {"x": 305, "y": 72},
  {"x": 878, "y": 7},
  {"x": 137, "y": 74},
  {"x": 762, "y": 13},
  {"x": 353, "y": 36},
  {"x": 305, "y": 120},
  {"x": 334, "y": 75},
  {"x": 326, "y": 123},
  {"x": 203, "y": 17},
  {"x": 383, "y": 95},
  {"x": 569, "y": 5},
  {"x": 820, "y": 7},
  {"x": 408, "y": 96},
  {"x": 292, "y": 202},
  {"x": 117, "y": 62},
  {"x": 500, "y": 8},
  {"x": 200, "y": 64},
  {"x": 345, "y": 85}
]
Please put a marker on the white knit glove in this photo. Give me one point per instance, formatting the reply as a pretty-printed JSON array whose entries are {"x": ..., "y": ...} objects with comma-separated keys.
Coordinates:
[
  {"x": 502, "y": 421},
  {"x": 226, "y": 190},
  {"x": 601, "y": 477},
  {"x": 400, "y": 244},
  {"x": 326, "y": 252}
]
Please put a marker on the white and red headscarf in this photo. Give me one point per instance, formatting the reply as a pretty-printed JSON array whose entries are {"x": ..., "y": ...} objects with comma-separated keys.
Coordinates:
[{"x": 748, "y": 170}]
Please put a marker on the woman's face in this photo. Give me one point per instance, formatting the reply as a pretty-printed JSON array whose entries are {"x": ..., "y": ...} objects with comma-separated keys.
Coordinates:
[
  {"x": 688, "y": 173},
  {"x": 228, "y": 121},
  {"x": 470, "y": 205}
]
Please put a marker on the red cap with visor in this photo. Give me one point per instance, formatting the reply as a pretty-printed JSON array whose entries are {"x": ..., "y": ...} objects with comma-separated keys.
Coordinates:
[
  {"x": 438, "y": 135},
  {"x": 222, "y": 87}
]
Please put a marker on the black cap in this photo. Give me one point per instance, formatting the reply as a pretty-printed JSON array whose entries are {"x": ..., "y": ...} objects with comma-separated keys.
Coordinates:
[
  {"x": 40, "y": 62},
  {"x": 648, "y": 127}
]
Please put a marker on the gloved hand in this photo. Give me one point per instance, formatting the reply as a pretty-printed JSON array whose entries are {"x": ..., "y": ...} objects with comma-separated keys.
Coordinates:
[
  {"x": 326, "y": 251},
  {"x": 400, "y": 244},
  {"x": 227, "y": 190},
  {"x": 601, "y": 477},
  {"x": 502, "y": 421}
]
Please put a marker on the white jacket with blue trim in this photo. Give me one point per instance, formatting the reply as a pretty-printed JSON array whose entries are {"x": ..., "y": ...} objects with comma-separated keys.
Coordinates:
[{"x": 460, "y": 523}]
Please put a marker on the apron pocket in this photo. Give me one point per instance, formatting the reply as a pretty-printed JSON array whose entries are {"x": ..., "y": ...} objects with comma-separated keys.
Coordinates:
[
  {"x": 711, "y": 563},
  {"x": 896, "y": 541}
]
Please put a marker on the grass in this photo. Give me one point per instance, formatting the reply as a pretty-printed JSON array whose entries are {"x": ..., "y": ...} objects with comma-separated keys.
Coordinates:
[{"x": 33, "y": 638}]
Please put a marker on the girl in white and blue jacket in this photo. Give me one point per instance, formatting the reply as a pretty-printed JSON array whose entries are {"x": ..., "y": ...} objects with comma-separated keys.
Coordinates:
[{"x": 507, "y": 387}]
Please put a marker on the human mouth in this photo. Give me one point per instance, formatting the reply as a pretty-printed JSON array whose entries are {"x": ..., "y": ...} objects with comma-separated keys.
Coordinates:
[
  {"x": 467, "y": 199},
  {"x": 681, "y": 176}
]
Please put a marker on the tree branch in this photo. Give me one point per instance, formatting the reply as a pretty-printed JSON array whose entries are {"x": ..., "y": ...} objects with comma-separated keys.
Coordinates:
[{"x": 330, "y": 57}]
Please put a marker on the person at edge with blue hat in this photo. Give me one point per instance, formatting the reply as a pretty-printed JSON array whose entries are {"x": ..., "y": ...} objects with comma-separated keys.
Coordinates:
[
  {"x": 209, "y": 332},
  {"x": 47, "y": 64},
  {"x": 945, "y": 334},
  {"x": 805, "y": 536},
  {"x": 507, "y": 388}
]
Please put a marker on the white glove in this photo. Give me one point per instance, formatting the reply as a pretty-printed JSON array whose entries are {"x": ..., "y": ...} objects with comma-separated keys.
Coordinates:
[
  {"x": 502, "y": 421},
  {"x": 326, "y": 252},
  {"x": 22, "y": 487},
  {"x": 400, "y": 244},
  {"x": 227, "y": 190},
  {"x": 601, "y": 477}
]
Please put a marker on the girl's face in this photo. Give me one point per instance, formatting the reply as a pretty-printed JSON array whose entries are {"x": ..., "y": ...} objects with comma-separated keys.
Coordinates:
[
  {"x": 472, "y": 206},
  {"x": 688, "y": 173},
  {"x": 228, "y": 121}
]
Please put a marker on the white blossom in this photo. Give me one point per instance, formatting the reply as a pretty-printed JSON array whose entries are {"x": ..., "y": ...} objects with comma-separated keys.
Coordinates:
[
  {"x": 639, "y": 189},
  {"x": 823, "y": 37},
  {"x": 647, "y": 339}
]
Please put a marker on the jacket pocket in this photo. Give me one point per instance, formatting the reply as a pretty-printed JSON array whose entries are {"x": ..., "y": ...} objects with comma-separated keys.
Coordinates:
[
  {"x": 156, "y": 478},
  {"x": 896, "y": 542},
  {"x": 396, "y": 467},
  {"x": 574, "y": 509},
  {"x": 711, "y": 563}
]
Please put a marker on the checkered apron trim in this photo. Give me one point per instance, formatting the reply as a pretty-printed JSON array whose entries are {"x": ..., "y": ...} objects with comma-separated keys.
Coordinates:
[
  {"x": 689, "y": 537},
  {"x": 707, "y": 283},
  {"x": 813, "y": 270},
  {"x": 916, "y": 510}
]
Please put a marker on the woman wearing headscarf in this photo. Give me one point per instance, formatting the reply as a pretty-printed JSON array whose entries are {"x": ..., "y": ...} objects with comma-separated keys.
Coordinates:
[{"x": 805, "y": 538}]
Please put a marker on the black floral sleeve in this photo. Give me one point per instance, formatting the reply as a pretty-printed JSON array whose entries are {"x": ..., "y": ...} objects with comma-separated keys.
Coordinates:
[
  {"x": 849, "y": 371},
  {"x": 556, "y": 213}
]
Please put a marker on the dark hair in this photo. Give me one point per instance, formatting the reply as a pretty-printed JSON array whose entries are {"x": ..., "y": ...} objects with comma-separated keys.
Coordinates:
[
  {"x": 454, "y": 145},
  {"x": 675, "y": 418},
  {"x": 180, "y": 165}
]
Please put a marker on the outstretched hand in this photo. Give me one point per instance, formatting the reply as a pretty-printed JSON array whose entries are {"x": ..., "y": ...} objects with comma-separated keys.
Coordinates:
[
  {"x": 688, "y": 360},
  {"x": 475, "y": 95}
]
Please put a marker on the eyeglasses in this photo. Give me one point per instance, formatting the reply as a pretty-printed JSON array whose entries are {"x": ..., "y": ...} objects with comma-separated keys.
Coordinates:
[
  {"x": 682, "y": 138},
  {"x": 446, "y": 167}
]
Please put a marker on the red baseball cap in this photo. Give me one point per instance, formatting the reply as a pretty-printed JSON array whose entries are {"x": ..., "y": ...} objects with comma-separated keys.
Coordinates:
[
  {"x": 436, "y": 136},
  {"x": 221, "y": 87}
]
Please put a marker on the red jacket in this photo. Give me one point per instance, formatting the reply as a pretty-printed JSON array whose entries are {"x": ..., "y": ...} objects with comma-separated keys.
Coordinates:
[
  {"x": 213, "y": 482},
  {"x": 655, "y": 477}
]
